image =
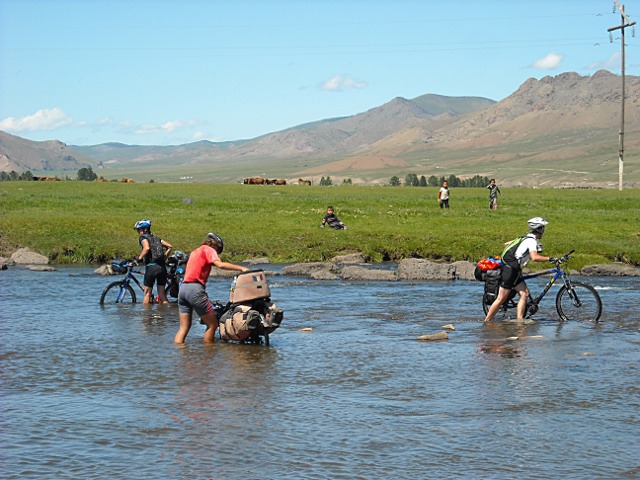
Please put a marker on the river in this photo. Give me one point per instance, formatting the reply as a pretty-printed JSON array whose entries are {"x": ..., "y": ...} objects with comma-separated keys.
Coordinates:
[{"x": 94, "y": 393}]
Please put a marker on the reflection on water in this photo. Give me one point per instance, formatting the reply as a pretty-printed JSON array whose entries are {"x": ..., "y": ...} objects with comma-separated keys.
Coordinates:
[{"x": 90, "y": 392}]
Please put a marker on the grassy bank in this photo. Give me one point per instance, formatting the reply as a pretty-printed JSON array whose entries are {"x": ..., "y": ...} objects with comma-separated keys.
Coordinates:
[{"x": 86, "y": 222}]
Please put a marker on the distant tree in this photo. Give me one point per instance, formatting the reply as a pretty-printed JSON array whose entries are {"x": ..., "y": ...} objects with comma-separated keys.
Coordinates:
[
  {"x": 411, "y": 180},
  {"x": 423, "y": 181},
  {"x": 86, "y": 174},
  {"x": 4, "y": 176},
  {"x": 346, "y": 181},
  {"x": 394, "y": 181},
  {"x": 433, "y": 181},
  {"x": 13, "y": 175},
  {"x": 151, "y": 181},
  {"x": 454, "y": 181}
]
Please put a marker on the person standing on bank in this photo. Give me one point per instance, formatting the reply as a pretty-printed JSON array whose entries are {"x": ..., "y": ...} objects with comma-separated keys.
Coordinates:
[
  {"x": 153, "y": 254},
  {"x": 516, "y": 255},
  {"x": 192, "y": 295},
  {"x": 443, "y": 195}
]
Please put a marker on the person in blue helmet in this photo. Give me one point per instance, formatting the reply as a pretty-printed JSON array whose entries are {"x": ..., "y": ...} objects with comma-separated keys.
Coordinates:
[{"x": 153, "y": 252}]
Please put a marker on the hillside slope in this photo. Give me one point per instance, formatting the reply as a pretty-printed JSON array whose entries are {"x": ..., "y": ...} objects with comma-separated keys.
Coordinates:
[{"x": 557, "y": 130}]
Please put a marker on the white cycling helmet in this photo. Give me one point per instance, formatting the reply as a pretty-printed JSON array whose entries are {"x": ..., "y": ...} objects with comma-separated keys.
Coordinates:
[{"x": 536, "y": 223}]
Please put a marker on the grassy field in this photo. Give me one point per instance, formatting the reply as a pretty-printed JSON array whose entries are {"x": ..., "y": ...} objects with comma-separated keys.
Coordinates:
[{"x": 86, "y": 222}]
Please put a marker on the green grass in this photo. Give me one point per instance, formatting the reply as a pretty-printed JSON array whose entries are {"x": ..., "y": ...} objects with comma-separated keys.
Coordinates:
[{"x": 86, "y": 222}]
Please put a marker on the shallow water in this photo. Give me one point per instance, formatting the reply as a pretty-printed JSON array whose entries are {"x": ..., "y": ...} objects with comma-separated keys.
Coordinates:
[{"x": 92, "y": 393}]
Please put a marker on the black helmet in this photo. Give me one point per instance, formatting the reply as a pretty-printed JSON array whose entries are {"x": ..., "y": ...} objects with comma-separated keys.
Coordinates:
[{"x": 218, "y": 243}]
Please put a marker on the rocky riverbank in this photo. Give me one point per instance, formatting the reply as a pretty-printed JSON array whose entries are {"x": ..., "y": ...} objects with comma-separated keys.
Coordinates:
[{"x": 354, "y": 267}]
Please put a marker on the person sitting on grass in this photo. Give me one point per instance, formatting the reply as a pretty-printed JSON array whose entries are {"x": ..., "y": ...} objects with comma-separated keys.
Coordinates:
[{"x": 332, "y": 219}]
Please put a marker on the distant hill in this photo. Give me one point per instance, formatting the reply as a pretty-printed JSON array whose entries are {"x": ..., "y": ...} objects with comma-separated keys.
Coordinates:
[
  {"x": 19, "y": 154},
  {"x": 556, "y": 130}
]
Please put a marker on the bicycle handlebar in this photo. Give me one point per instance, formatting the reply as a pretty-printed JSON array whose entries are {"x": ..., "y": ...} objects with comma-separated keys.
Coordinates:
[{"x": 562, "y": 259}]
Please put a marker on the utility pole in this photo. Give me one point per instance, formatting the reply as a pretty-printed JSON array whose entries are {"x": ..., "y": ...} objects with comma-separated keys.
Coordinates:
[{"x": 621, "y": 27}]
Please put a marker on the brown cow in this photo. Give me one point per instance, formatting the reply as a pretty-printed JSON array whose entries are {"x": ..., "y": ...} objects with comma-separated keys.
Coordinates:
[
  {"x": 304, "y": 182},
  {"x": 254, "y": 181},
  {"x": 279, "y": 182},
  {"x": 50, "y": 179}
]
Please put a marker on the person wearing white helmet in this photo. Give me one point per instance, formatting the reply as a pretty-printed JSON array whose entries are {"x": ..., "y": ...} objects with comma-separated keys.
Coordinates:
[
  {"x": 192, "y": 295},
  {"x": 516, "y": 255},
  {"x": 153, "y": 254}
]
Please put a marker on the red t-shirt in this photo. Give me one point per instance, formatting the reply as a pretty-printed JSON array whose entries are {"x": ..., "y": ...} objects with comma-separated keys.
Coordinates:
[{"x": 199, "y": 264}]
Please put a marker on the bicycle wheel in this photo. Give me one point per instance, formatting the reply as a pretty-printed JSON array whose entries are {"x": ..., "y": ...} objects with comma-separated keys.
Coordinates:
[
  {"x": 581, "y": 302},
  {"x": 118, "y": 292}
]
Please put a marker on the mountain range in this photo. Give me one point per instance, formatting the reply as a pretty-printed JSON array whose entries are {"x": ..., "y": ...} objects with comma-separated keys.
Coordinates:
[{"x": 558, "y": 130}]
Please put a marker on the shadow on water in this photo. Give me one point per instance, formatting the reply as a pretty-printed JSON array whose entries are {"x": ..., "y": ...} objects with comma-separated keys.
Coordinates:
[{"x": 344, "y": 391}]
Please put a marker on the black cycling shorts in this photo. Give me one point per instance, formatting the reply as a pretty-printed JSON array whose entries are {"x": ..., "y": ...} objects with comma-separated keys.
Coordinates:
[
  {"x": 510, "y": 275},
  {"x": 154, "y": 272}
]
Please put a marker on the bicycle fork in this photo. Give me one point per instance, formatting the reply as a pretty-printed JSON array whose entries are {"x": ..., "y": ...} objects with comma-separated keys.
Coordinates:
[{"x": 121, "y": 293}]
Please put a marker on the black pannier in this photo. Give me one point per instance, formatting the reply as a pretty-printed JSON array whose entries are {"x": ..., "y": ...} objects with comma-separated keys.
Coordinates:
[{"x": 491, "y": 285}]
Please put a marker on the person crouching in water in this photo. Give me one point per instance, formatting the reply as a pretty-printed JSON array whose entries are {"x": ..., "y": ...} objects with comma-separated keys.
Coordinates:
[
  {"x": 516, "y": 255},
  {"x": 192, "y": 295}
]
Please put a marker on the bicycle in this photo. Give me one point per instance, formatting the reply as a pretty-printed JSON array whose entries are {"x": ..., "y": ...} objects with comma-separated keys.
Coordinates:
[
  {"x": 574, "y": 301},
  {"x": 176, "y": 265},
  {"x": 121, "y": 291}
]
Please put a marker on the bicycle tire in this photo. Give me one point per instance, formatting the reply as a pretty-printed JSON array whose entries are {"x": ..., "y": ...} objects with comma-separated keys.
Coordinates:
[
  {"x": 590, "y": 304},
  {"x": 112, "y": 292}
]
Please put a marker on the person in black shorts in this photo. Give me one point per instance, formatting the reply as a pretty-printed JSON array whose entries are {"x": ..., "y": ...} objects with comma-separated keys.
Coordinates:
[
  {"x": 516, "y": 255},
  {"x": 153, "y": 254}
]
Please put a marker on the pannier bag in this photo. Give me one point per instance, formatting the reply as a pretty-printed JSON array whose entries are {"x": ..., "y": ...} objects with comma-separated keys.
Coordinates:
[
  {"x": 118, "y": 265},
  {"x": 485, "y": 265},
  {"x": 251, "y": 285},
  {"x": 491, "y": 286},
  {"x": 239, "y": 322}
]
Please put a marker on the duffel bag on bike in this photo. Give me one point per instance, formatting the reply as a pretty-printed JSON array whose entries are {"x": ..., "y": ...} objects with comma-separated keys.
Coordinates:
[
  {"x": 118, "y": 265},
  {"x": 491, "y": 285},
  {"x": 486, "y": 265},
  {"x": 238, "y": 323}
]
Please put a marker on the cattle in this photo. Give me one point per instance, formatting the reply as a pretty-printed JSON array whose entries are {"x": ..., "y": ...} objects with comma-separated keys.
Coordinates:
[
  {"x": 50, "y": 179},
  {"x": 101, "y": 180},
  {"x": 304, "y": 182},
  {"x": 127, "y": 180},
  {"x": 279, "y": 182},
  {"x": 254, "y": 181}
]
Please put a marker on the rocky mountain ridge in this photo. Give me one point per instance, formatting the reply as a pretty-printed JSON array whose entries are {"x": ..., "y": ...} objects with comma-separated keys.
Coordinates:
[{"x": 548, "y": 128}]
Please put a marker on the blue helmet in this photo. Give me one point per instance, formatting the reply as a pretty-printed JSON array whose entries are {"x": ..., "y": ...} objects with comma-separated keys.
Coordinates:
[{"x": 142, "y": 224}]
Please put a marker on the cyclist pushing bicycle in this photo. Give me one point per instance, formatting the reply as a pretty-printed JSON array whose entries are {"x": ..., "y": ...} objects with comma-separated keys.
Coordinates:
[
  {"x": 516, "y": 255},
  {"x": 153, "y": 254}
]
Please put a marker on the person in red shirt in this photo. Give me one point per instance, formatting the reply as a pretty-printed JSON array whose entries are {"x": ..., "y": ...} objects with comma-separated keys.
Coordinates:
[{"x": 192, "y": 295}]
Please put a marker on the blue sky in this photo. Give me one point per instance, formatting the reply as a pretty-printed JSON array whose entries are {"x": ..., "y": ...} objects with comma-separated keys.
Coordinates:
[{"x": 168, "y": 72}]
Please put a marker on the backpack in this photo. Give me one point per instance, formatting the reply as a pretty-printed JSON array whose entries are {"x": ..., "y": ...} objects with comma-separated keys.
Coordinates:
[
  {"x": 509, "y": 252},
  {"x": 156, "y": 250}
]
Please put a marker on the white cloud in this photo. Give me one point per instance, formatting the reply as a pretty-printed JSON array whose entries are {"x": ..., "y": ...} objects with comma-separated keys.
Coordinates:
[
  {"x": 167, "y": 127},
  {"x": 45, "y": 119},
  {"x": 339, "y": 83},
  {"x": 548, "y": 62},
  {"x": 614, "y": 61}
]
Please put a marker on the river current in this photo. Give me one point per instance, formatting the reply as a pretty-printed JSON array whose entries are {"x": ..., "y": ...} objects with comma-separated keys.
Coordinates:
[{"x": 344, "y": 391}]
